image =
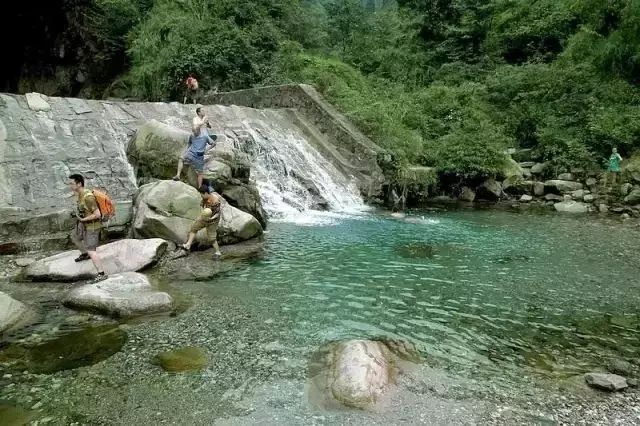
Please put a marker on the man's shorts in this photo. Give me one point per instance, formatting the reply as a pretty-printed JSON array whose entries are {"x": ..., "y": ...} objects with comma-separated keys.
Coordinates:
[
  {"x": 204, "y": 221},
  {"x": 195, "y": 161},
  {"x": 90, "y": 239}
]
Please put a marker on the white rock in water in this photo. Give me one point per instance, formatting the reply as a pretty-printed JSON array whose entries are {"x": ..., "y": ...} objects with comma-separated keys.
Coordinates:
[
  {"x": 571, "y": 207},
  {"x": 526, "y": 198},
  {"x": 118, "y": 256},
  {"x": 605, "y": 381},
  {"x": 361, "y": 373},
  {"x": 121, "y": 295},
  {"x": 11, "y": 311}
]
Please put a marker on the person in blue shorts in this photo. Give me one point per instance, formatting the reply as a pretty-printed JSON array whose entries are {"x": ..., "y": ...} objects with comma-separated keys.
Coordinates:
[{"x": 194, "y": 155}]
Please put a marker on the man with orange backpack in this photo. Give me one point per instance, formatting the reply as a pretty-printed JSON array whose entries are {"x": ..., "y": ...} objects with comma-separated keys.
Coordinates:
[
  {"x": 86, "y": 234},
  {"x": 191, "y": 89}
]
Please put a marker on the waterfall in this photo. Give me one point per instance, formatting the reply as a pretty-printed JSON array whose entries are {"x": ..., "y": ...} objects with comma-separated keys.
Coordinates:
[{"x": 294, "y": 180}]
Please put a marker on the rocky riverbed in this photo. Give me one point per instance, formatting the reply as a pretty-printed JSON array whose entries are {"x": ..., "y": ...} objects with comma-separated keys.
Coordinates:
[{"x": 257, "y": 374}]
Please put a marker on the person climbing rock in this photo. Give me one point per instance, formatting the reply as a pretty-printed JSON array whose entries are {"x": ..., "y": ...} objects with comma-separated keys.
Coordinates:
[
  {"x": 209, "y": 218},
  {"x": 200, "y": 122},
  {"x": 191, "y": 89},
  {"x": 614, "y": 165},
  {"x": 194, "y": 155},
  {"x": 86, "y": 234}
]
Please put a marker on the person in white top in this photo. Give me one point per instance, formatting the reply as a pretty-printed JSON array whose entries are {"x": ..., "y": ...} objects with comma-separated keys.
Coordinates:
[{"x": 201, "y": 122}]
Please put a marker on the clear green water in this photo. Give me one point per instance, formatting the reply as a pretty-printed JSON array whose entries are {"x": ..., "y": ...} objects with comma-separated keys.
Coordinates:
[
  {"x": 489, "y": 291},
  {"x": 494, "y": 301}
]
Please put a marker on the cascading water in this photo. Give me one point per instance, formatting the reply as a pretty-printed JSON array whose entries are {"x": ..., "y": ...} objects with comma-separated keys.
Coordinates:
[{"x": 294, "y": 180}]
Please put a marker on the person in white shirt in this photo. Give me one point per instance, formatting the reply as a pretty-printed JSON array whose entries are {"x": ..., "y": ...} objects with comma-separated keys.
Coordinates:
[{"x": 201, "y": 122}]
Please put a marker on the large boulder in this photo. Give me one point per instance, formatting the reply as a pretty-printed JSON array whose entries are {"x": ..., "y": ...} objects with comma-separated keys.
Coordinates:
[
  {"x": 571, "y": 207},
  {"x": 467, "y": 194},
  {"x": 247, "y": 199},
  {"x": 361, "y": 373},
  {"x": 631, "y": 169},
  {"x": 119, "y": 256},
  {"x": 490, "y": 190},
  {"x": 167, "y": 209},
  {"x": 156, "y": 147},
  {"x": 12, "y": 312},
  {"x": 633, "y": 197},
  {"x": 121, "y": 295},
  {"x": 562, "y": 186}
]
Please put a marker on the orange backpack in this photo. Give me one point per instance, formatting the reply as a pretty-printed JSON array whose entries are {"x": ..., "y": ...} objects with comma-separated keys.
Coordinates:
[{"x": 105, "y": 204}]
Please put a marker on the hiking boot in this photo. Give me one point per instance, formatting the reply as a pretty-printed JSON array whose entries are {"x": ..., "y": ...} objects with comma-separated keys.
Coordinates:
[
  {"x": 82, "y": 257},
  {"x": 100, "y": 277}
]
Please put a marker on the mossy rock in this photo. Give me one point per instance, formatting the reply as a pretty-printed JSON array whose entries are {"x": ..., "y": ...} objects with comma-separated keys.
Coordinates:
[
  {"x": 416, "y": 250},
  {"x": 189, "y": 358},
  {"x": 631, "y": 169}
]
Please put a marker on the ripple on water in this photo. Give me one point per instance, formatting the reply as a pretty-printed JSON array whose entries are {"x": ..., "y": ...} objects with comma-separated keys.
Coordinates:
[{"x": 514, "y": 294}]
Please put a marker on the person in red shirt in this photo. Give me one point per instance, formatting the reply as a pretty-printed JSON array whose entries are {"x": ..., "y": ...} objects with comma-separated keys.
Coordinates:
[{"x": 191, "y": 89}]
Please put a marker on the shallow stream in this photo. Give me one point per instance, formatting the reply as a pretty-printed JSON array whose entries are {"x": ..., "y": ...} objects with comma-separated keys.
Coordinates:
[{"x": 496, "y": 302}]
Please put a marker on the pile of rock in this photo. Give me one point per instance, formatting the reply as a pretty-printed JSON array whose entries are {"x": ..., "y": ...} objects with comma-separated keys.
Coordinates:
[{"x": 579, "y": 191}]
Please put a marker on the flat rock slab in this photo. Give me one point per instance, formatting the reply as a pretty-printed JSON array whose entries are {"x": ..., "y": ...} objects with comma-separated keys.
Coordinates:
[
  {"x": 605, "y": 381},
  {"x": 120, "y": 256},
  {"x": 121, "y": 295}
]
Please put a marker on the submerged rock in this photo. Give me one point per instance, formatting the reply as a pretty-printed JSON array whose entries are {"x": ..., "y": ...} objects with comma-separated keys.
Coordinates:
[
  {"x": 189, "y": 358},
  {"x": 121, "y": 295},
  {"x": 604, "y": 381},
  {"x": 620, "y": 366},
  {"x": 12, "y": 312},
  {"x": 361, "y": 373},
  {"x": 73, "y": 350},
  {"x": 118, "y": 256},
  {"x": 416, "y": 250},
  {"x": 200, "y": 266},
  {"x": 167, "y": 209},
  {"x": 358, "y": 373}
]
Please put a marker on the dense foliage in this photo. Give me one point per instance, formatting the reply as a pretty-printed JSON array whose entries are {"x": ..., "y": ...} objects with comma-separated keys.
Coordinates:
[{"x": 444, "y": 83}]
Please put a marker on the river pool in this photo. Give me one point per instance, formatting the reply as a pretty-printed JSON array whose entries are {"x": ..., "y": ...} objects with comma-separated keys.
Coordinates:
[{"x": 506, "y": 309}]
